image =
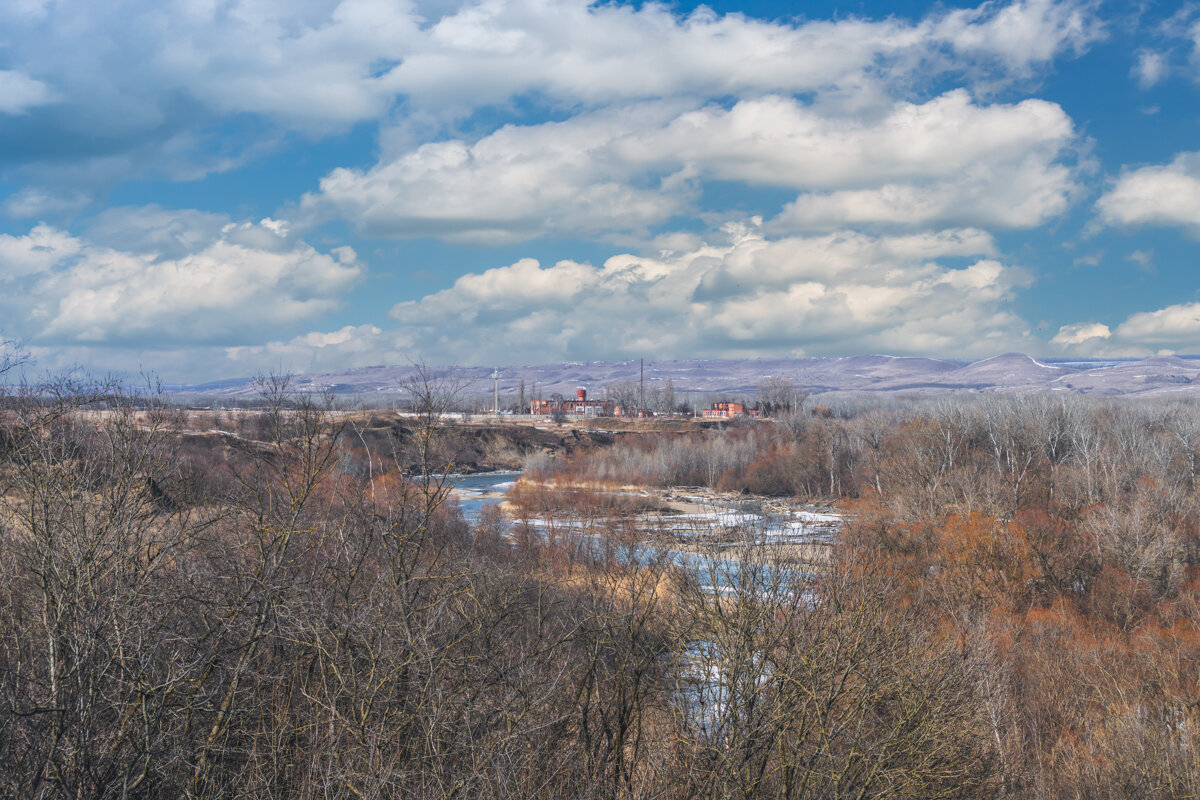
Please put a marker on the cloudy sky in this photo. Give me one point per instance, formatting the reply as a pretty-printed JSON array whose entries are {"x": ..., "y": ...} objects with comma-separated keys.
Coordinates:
[{"x": 211, "y": 188}]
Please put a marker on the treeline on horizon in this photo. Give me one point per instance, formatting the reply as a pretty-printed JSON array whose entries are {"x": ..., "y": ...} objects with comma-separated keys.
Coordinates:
[{"x": 1010, "y": 611}]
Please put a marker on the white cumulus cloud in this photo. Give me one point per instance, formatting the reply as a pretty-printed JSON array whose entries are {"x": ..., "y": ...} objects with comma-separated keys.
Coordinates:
[
  {"x": 1157, "y": 195},
  {"x": 1022, "y": 34},
  {"x": 949, "y": 160},
  {"x": 1080, "y": 332},
  {"x": 1169, "y": 330},
  {"x": 844, "y": 293},
  {"x": 238, "y": 281},
  {"x": 189, "y": 88},
  {"x": 516, "y": 183},
  {"x": 491, "y": 50}
]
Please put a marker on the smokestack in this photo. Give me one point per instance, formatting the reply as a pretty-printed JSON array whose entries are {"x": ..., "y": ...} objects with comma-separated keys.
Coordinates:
[{"x": 581, "y": 393}]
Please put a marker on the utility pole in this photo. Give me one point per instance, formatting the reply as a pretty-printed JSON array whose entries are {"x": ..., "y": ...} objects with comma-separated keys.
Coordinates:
[{"x": 641, "y": 386}]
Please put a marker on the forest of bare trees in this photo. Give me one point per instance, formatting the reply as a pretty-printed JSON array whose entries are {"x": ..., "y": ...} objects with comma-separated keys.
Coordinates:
[
  {"x": 1053, "y": 538},
  {"x": 277, "y": 612}
]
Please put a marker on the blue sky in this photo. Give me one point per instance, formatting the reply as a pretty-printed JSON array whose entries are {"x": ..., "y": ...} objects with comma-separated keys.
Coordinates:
[{"x": 213, "y": 188}]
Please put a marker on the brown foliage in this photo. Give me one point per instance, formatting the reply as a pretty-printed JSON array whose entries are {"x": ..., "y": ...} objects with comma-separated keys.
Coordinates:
[{"x": 293, "y": 612}]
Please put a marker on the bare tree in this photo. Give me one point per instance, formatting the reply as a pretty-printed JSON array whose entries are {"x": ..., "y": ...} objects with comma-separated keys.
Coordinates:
[
  {"x": 626, "y": 395},
  {"x": 91, "y": 689},
  {"x": 814, "y": 689},
  {"x": 665, "y": 400},
  {"x": 779, "y": 396}
]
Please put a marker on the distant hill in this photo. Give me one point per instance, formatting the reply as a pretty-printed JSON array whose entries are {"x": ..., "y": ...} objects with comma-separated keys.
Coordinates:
[{"x": 1010, "y": 372}]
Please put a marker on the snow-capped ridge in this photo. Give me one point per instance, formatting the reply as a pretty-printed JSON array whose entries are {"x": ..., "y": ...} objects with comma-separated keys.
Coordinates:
[{"x": 740, "y": 378}]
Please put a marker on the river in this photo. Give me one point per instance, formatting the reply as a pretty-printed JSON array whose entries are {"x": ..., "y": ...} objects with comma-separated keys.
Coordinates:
[{"x": 477, "y": 491}]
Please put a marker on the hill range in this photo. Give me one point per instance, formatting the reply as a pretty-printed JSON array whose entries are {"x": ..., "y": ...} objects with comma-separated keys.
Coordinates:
[{"x": 1011, "y": 372}]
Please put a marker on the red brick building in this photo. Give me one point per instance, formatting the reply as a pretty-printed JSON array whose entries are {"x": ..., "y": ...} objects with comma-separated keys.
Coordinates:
[
  {"x": 578, "y": 406},
  {"x": 730, "y": 410}
]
